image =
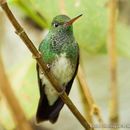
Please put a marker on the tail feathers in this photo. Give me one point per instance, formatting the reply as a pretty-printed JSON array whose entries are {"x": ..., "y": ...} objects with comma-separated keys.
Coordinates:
[
  {"x": 54, "y": 118},
  {"x": 44, "y": 112},
  {"x": 40, "y": 116}
]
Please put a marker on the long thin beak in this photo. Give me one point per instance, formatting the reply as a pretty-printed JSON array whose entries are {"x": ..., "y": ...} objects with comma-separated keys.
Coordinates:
[{"x": 72, "y": 20}]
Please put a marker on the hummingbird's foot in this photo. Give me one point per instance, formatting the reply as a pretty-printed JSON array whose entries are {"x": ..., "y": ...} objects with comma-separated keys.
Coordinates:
[
  {"x": 63, "y": 90},
  {"x": 49, "y": 66}
]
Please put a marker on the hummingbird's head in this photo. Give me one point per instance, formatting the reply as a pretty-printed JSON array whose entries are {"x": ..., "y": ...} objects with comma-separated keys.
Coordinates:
[{"x": 63, "y": 23}]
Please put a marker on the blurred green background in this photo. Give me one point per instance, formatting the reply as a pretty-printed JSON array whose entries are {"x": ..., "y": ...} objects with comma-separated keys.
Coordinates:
[{"x": 90, "y": 32}]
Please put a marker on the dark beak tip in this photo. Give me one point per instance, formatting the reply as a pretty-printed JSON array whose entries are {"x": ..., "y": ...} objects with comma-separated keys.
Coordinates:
[{"x": 80, "y": 15}]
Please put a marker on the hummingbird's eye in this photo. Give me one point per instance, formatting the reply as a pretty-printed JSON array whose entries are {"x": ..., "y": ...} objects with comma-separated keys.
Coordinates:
[{"x": 55, "y": 24}]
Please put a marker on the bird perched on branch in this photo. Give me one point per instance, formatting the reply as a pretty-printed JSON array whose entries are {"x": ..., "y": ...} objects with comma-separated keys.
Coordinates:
[{"x": 60, "y": 52}]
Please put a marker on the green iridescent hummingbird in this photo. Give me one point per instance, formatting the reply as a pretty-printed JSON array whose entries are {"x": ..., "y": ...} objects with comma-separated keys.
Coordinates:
[{"x": 60, "y": 52}]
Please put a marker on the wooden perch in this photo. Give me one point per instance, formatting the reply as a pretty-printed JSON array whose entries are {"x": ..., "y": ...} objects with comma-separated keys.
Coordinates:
[
  {"x": 84, "y": 92},
  {"x": 92, "y": 107},
  {"x": 13, "y": 103},
  {"x": 48, "y": 74},
  {"x": 62, "y": 7},
  {"x": 111, "y": 42}
]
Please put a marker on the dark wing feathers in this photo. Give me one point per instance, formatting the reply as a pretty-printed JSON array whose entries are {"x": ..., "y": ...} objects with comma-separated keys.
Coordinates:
[{"x": 45, "y": 111}]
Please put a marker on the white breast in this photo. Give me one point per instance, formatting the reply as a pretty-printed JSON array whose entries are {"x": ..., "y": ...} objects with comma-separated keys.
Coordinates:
[{"x": 63, "y": 71}]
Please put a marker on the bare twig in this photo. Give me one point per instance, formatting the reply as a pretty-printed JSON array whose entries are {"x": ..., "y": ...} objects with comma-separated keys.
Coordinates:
[
  {"x": 89, "y": 101},
  {"x": 84, "y": 94},
  {"x": 113, "y": 61},
  {"x": 84, "y": 86},
  {"x": 12, "y": 101},
  {"x": 2, "y": 30},
  {"x": 48, "y": 74},
  {"x": 62, "y": 6}
]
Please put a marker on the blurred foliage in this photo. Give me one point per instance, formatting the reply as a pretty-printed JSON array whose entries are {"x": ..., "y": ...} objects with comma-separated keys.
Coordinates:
[
  {"x": 123, "y": 40},
  {"x": 90, "y": 30},
  {"x": 29, "y": 9},
  {"x": 23, "y": 78},
  {"x": 124, "y": 7}
]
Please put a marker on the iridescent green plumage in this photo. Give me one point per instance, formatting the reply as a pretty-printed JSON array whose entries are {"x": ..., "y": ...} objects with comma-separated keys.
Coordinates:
[
  {"x": 61, "y": 53},
  {"x": 59, "y": 40}
]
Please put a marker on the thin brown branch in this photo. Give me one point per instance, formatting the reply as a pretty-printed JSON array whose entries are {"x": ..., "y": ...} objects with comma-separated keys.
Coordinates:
[
  {"x": 89, "y": 101},
  {"x": 113, "y": 61},
  {"x": 0, "y": 96},
  {"x": 62, "y": 7},
  {"x": 17, "y": 112},
  {"x": 48, "y": 74},
  {"x": 85, "y": 87},
  {"x": 84, "y": 95}
]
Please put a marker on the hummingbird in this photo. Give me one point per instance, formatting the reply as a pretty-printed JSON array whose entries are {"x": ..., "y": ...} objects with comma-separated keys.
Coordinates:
[{"x": 60, "y": 52}]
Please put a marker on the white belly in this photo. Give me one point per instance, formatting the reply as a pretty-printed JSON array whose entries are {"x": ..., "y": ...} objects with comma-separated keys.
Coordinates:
[{"x": 63, "y": 71}]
